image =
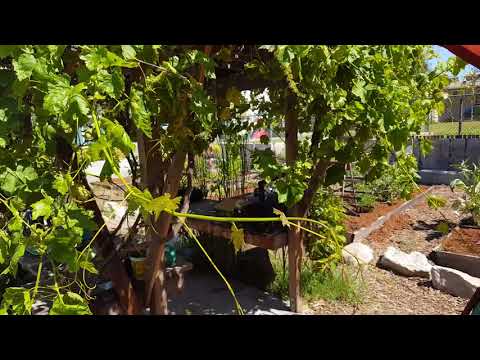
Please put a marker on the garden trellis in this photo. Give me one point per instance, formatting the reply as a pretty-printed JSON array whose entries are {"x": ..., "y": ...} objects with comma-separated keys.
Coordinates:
[{"x": 175, "y": 100}]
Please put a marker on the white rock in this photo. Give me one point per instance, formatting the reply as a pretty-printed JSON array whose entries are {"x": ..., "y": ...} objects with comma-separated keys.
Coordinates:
[
  {"x": 413, "y": 264},
  {"x": 454, "y": 282},
  {"x": 271, "y": 312},
  {"x": 356, "y": 253}
]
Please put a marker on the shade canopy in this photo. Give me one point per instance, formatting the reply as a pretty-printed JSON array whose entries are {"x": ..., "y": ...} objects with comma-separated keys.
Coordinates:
[{"x": 468, "y": 53}]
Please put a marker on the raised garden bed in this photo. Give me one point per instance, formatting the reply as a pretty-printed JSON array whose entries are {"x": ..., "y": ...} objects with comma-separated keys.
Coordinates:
[
  {"x": 360, "y": 227},
  {"x": 460, "y": 249}
]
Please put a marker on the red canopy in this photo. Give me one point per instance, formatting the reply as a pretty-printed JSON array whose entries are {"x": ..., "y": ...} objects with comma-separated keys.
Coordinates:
[{"x": 468, "y": 53}]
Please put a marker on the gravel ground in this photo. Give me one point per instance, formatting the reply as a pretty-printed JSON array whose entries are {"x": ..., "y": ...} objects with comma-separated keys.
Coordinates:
[{"x": 387, "y": 293}]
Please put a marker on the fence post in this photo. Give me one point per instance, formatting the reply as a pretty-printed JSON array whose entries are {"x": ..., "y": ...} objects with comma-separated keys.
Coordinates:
[{"x": 461, "y": 117}]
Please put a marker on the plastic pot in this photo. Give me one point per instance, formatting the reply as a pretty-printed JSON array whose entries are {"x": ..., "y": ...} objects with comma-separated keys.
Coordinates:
[{"x": 138, "y": 266}]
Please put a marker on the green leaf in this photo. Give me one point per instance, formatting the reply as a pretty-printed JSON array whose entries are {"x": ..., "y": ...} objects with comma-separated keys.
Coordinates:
[
  {"x": 107, "y": 171},
  {"x": 140, "y": 115},
  {"x": 99, "y": 57},
  {"x": 128, "y": 52},
  {"x": 457, "y": 183},
  {"x": 8, "y": 183},
  {"x": 238, "y": 238},
  {"x": 17, "y": 300},
  {"x": 42, "y": 208},
  {"x": 435, "y": 202},
  {"x": 80, "y": 192},
  {"x": 16, "y": 224},
  {"x": 442, "y": 227},
  {"x": 29, "y": 173},
  {"x": 163, "y": 203},
  {"x": 17, "y": 255},
  {"x": 57, "y": 99},
  {"x": 359, "y": 90},
  {"x": 118, "y": 136},
  {"x": 62, "y": 183},
  {"x": 24, "y": 66},
  {"x": 4, "y": 247},
  {"x": 70, "y": 304},
  {"x": 7, "y": 50},
  {"x": 110, "y": 83},
  {"x": 88, "y": 265},
  {"x": 283, "y": 217}
]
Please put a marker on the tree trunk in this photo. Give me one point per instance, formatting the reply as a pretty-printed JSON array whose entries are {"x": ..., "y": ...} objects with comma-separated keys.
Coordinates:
[
  {"x": 156, "y": 290},
  {"x": 113, "y": 268}
]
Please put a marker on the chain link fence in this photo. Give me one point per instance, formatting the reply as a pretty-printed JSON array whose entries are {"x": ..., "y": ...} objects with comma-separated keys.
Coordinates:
[{"x": 470, "y": 127}]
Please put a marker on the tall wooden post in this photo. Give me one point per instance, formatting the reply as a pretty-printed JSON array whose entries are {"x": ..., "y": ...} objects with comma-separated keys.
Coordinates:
[{"x": 294, "y": 235}]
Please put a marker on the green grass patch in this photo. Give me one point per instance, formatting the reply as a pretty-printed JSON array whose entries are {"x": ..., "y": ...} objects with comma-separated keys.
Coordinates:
[
  {"x": 337, "y": 284},
  {"x": 451, "y": 128}
]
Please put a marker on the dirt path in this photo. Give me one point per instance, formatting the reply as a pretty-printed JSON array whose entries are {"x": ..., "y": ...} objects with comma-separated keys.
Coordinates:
[{"x": 387, "y": 293}]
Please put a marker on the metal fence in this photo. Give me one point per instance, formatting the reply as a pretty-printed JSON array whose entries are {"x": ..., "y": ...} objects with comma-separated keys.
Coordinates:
[{"x": 466, "y": 127}]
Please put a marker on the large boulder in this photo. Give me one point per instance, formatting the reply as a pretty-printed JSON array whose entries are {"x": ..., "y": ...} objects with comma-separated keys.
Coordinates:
[
  {"x": 357, "y": 254},
  {"x": 454, "y": 282},
  {"x": 413, "y": 264}
]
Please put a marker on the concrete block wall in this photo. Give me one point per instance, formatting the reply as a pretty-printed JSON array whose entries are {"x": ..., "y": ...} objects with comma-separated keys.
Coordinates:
[{"x": 439, "y": 166}]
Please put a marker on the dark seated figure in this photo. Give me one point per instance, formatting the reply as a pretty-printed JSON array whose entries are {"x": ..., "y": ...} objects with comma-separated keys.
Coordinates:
[{"x": 261, "y": 205}]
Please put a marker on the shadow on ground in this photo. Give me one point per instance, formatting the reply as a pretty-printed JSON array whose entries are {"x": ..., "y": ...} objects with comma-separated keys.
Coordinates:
[
  {"x": 206, "y": 294},
  {"x": 431, "y": 227}
]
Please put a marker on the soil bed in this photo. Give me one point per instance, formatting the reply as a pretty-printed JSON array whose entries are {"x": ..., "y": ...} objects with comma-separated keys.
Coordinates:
[
  {"x": 354, "y": 223},
  {"x": 463, "y": 241}
]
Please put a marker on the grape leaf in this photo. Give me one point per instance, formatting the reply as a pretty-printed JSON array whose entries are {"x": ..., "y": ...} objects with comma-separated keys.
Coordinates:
[
  {"x": 13, "y": 266},
  {"x": 163, "y": 203},
  {"x": 62, "y": 183},
  {"x": 140, "y": 115},
  {"x": 42, "y": 208},
  {"x": 17, "y": 300},
  {"x": 70, "y": 304},
  {"x": 238, "y": 238},
  {"x": 283, "y": 217},
  {"x": 24, "y": 66},
  {"x": 128, "y": 52}
]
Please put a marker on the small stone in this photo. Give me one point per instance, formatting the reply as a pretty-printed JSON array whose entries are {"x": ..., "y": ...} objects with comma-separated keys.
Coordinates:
[
  {"x": 413, "y": 264},
  {"x": 357, "y": 253},
  {"x": 271, "y": 312},
  {"x": 454, "y": 282}
]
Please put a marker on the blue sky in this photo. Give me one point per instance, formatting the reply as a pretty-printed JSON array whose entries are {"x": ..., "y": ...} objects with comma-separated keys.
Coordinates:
[{"x": 444, "y": 55}]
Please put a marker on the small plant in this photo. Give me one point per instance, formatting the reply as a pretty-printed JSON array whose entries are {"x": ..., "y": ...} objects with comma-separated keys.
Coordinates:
[
  {"x": 469, "y": 202},
  {"x": 366, "y": 202},
  {"x": 332, "y": 283}
]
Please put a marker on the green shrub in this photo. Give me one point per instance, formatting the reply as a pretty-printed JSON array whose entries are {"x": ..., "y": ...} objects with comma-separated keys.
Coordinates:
[
  {"x": 328, "y": 207},
  {"x": 366, "y": 201}
]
